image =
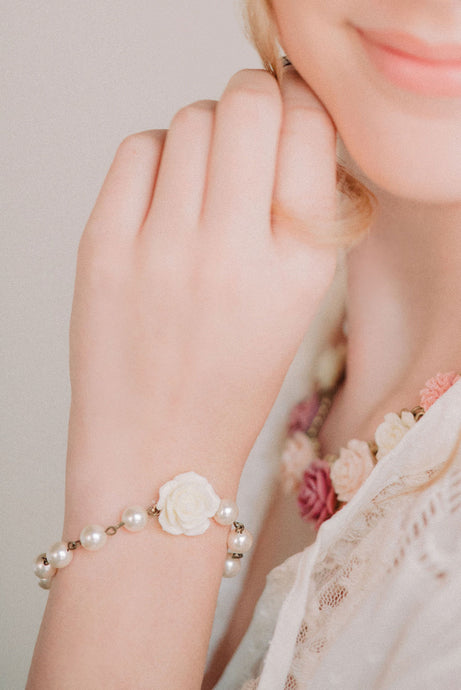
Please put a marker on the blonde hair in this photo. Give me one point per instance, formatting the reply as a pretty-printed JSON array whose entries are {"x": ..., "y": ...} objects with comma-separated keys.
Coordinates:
[{"x": 357, "y": 203}]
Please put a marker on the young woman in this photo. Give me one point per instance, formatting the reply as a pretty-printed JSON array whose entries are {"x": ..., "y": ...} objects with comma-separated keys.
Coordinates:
[{"x": 201, "y": 267}]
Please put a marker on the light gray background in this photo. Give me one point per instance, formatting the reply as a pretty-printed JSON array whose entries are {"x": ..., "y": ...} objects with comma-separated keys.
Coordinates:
[{"x": 77, "y": 78}]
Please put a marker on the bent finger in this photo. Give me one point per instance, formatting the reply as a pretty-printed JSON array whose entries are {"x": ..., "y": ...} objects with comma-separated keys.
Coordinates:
[
  {"x": 179, "y": 188},
  {"x": 125, "y": 196},
  {"x": 243, "y": 153},
  {"x": 305, "y": 182}
]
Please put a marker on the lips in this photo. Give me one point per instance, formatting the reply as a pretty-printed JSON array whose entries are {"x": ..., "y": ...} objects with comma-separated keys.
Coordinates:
[
  {"x": 412, "y": 46},
  {"x": 412, "y": 64}
]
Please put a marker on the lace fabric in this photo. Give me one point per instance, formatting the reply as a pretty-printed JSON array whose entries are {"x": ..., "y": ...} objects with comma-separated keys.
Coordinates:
[
  {"x": 354, "y": 568},
  {"x": 337, "y": 613}
]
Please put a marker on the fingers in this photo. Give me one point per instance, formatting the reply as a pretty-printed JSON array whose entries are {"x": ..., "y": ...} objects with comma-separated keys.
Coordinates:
[
  {"x": 180, "y": 184},
  {"x": 226, "y": 165},
  {"x": 305, "y": 181},
  {"x": 126, "y": 193},
  {"x": 243, "y": 153}
]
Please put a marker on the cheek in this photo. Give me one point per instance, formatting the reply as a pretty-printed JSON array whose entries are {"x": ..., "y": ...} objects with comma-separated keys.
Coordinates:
[
  {"x": 405, "y": 143},
  {"x": 406, "y": 154}
]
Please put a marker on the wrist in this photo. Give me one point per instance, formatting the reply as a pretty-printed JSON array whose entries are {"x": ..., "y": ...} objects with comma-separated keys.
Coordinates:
[
  {"x": 111, "y": 466},
  {"x": 187, "y": 505}
]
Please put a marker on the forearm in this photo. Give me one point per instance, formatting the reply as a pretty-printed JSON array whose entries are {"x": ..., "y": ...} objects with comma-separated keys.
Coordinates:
[
  {"x": 138, "y": 613},
  {"x": 190, "y": 303}
]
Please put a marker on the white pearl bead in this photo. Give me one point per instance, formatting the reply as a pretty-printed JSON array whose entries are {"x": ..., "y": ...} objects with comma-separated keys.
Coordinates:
[
  {"x": 45, "y": 583},
  {"x": 135, "y": 518},
  {"x": 227, "y": 512},
  {"x": 41, "y": 570},
  {"x": 93, "y": 537},
  {"x": 240, "y": 542},
  {"x": 231, "y": 566},
  {"x": 58, "y": 556}
]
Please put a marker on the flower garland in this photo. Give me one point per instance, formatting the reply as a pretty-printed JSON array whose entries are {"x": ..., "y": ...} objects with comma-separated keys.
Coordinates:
[{"x": 324, "y": 485}]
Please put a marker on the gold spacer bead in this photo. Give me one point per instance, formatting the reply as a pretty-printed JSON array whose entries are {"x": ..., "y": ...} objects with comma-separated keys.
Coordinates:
[
  {"x": 72, "y": 545},
  {"x": 330, "y": 458},
  {"x": 418, "y": 412},
  {"x": 373, "y": 446}
]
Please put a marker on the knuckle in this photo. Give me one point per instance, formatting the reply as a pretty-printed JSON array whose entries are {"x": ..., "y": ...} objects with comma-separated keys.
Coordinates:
[
  {"x": 140, "y": 144},
  {"x": 194, "y": 115},
  {"x": 245, "y": 102},
  {"x": 255, "y": 79},
  {"x": 254, "y": 91}
]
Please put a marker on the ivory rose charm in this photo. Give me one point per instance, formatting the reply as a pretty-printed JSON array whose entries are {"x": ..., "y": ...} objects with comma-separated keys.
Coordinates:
[
  {"x": 185, "y": 503},
  {"x": 350, "y": 470},
  {"x": 392, "y": 430}
]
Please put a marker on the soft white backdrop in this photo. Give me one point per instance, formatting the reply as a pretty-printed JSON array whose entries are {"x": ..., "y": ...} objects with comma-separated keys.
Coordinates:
[{"x": 77, "y": 78}]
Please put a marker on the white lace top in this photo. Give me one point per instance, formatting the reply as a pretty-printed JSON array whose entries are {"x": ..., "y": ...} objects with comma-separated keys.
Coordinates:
[{"x": 375, "y": 602}]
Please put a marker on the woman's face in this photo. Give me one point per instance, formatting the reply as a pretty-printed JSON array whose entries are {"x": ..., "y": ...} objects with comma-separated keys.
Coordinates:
[{"x": 405, "y": 137}]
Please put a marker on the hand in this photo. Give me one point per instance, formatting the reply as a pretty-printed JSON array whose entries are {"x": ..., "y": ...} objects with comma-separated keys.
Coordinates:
[{"x": 191, "y": 298}]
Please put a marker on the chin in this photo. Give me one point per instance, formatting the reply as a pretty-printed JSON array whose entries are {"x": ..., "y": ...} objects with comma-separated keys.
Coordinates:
[{"x": 423, "y": 176}]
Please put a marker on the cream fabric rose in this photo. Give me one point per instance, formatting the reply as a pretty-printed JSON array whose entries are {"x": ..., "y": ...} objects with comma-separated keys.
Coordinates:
[
  {"x": 352, "y": 467},
  {"x": 394, "y": 428},
  {"x": 185, "y": 503},
  {"x": 297, "y": 455}
]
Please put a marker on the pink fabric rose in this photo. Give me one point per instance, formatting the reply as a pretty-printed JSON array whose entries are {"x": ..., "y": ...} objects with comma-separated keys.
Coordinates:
[
  {"x": 297, "y": 455},
  {"x": 435, "y": 387},
  {"x": 317, "y": 498},
  {"x": 302, "y": 414},
  {"x": 352, "y": 467}
]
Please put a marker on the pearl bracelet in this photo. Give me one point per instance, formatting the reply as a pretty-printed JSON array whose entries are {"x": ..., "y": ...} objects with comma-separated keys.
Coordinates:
[{"x": 184, "y": 506}]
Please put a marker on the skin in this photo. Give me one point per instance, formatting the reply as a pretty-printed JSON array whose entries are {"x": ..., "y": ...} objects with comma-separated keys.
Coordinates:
[
  {"x": 404, "y": 282},
  {"x": 190, "y": 300},
  {"x": 190, "y": 303},
  {"x": 404, "y": 285}
]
